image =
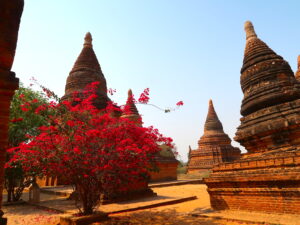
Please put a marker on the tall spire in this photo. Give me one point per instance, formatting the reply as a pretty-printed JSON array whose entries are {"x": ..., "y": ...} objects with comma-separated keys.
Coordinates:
[
  {"x": 212, "y": 123},
  {"x": 88, "y": 40},
  {"x": 86, "y": 70},
  {"x": 266, "y": 78},
  {"x": 87, "y": 59},
  {"x": 249, "y": 29}
]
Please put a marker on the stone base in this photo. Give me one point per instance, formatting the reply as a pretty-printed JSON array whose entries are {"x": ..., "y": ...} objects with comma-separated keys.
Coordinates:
[
  {"x": 268, "y": 182},
  {"x": 83, "y": 220}
]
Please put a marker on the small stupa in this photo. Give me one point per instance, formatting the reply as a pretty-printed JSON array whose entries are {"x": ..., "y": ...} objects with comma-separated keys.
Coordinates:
[
  {"x": 214, "y": 146},
  {"x": 130, "y": 111}
]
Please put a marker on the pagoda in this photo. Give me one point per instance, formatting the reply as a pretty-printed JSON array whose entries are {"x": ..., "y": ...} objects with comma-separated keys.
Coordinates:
[
  {"x": 214, "y": 147},
  {"x": 267, "y": 178}
]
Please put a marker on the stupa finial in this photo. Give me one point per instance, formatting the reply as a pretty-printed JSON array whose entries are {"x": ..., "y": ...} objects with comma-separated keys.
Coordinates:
[
  {"x": 88, "y": 40},
  {"x": 129, "y": 93},
  {"x": 249, "y": 29}
]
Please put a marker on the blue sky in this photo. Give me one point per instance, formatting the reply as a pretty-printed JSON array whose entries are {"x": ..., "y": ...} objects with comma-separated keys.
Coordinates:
[{"x": 182, "y": 50}]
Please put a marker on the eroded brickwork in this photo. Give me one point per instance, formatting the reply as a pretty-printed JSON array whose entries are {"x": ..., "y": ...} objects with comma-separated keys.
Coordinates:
[
  {"x": 214, "y": 147},
  {"x": 267, "y": 178}
]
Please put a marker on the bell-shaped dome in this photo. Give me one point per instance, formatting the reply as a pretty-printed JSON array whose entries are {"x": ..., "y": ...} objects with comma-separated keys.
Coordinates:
[{"x": 266, "y": 78}]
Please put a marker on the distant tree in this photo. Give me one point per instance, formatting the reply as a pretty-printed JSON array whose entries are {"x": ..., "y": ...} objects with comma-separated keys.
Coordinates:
[{"x": 27, "y": 114}]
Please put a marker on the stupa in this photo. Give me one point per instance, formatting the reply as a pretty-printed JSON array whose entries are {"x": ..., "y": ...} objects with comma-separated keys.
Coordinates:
[
  {"x": 214, "y": 147},
  {"x": 130, "y": 111},
  {"x": 165, "y": 163},
  {"x": 85, "y": 71},
  {"x": 267, "y": 178}
]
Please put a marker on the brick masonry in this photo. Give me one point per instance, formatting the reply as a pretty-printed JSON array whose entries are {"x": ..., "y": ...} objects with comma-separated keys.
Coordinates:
[
  {"x": 267, "y": 178},
  {"x": 214, "y": 147}
]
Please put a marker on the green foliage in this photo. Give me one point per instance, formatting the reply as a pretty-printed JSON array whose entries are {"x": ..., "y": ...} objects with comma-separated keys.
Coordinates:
[
  {"x": 24, "y": 118},
  {"x": 24, "y": 122},
  {"x": 181, "y": 169}
]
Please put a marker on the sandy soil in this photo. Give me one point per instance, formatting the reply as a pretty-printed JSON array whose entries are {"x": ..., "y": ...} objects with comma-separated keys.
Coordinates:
[
  {"x": 29, "y": 215},
  {"x": 182, "y": 213}
]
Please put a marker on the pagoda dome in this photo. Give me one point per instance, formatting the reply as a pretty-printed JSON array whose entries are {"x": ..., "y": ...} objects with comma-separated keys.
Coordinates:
[{"x": 266, "y": 78}]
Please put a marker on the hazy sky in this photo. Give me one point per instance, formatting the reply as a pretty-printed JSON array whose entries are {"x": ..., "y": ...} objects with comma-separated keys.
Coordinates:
[{"x": 180, "y": 49}]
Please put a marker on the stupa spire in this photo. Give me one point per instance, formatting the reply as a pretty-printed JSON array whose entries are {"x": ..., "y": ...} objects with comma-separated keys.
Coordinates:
[
  {"x": 87, "y": 59},
  {"x": 86, "y": 70},
  {"x": 249, "y": 29},
  {"x": 212, "y": 123},
  {"x": 130, "y": 110},
  {"x": 260, "y": 82},
  {"x": 88, "y": 40}
]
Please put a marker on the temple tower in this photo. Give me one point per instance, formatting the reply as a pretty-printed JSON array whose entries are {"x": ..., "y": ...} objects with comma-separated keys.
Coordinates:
[
  {"x": 214, "y": 147},
  {"x": 267, "y": 178},
  {"x": 85, "y": 71}
]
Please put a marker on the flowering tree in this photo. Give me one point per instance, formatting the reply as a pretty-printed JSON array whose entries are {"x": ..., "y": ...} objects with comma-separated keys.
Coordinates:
[
  {"x": 94, "y": 149},
  {"x": 25, "y": 118}
]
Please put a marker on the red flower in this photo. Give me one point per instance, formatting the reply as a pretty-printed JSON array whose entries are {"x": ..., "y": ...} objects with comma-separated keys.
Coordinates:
[
  {"x": 180, "y": 103},
  {"x": 16, "y": 120},
  {"x": 144, "y": 97}
]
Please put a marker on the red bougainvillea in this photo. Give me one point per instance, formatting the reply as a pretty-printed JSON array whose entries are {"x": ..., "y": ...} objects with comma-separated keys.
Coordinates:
[{"x": 95, "y": 150}]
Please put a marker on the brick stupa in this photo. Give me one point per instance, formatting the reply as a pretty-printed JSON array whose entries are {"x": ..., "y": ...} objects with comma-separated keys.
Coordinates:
[
  {"x": 214, "y": 147},
  {"x": 85, "y": 71},
  {"x": 130, "y": 111},
  {"x": 165, "y": 161},
  {"x": 267, "y": 178}
]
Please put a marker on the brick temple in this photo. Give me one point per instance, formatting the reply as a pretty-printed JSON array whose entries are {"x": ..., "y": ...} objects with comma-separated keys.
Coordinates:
[
  {"x": 267, "y": 178},
  {"x": 214, "y": 147}
]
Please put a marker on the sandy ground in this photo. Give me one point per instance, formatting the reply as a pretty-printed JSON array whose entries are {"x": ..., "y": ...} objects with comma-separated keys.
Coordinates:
[
  {"x": 181, "y": 213},
  {"x": 29, "y": 215}
]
